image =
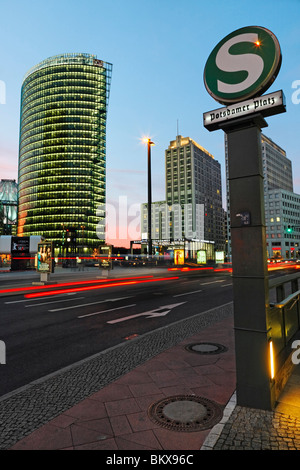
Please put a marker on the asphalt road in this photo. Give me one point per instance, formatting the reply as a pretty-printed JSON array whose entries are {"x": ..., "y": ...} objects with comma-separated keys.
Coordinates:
[{"x": 46, "y": 333}]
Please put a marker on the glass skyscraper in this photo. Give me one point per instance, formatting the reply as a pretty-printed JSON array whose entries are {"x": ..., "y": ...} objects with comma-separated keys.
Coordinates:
[{"x": 62, "y": 154}]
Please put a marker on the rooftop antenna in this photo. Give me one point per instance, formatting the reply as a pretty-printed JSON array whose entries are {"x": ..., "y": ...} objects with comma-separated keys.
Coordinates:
[{"x": 177, "y": 128}]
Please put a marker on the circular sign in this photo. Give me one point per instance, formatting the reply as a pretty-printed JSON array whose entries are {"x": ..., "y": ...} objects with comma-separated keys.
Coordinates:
[{"x": 243, "y": 65}]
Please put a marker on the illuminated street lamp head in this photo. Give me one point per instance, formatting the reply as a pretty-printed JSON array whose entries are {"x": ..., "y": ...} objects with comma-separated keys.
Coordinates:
[{"x": 147, "y": 140}]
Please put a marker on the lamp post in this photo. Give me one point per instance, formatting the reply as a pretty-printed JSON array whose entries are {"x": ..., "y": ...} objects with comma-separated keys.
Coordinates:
[{"x": 149, "y": 143}]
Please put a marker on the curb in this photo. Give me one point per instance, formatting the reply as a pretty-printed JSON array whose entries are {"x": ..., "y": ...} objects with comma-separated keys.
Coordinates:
[{"x": 216, "y": 431}]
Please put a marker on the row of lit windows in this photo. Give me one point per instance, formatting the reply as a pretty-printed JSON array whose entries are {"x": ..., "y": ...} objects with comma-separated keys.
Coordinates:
[
  {"x": 69, "y": 161},
  {"x": 85, "y": 95},
  {"x": 71, "y": 138},
  {"x": 67, "y": 149},
  {"x": 82, "y": 184},
  {"x": 64, "y": 100},
  {"x": 74, "y": 190},
  {"x": 66, "y": 86},
  {"x": 54, "y": 74},
  {"x": 82, "y": 160},
  {"x": 59, "y": 73},
  {"x": 36, "y": 123},
  {"x": 48, "y": 143},
  {"x": 62, "y": 168},
  {"x": 60, "y": 129},
  {"x": 53, "y": 212},
  {"x": 62, "y": 110},
  {"x": 58, "y": 133},
  {"x": 69, "y": 81}
]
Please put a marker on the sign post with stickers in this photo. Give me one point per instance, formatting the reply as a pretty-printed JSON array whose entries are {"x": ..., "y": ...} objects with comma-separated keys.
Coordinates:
[{"x": 238, "y": 71}]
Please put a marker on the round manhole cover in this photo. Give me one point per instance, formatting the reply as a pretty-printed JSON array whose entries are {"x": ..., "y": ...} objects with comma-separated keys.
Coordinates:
[
  {"x": 206, "y": 348},
  {"x": 185, "y": 413}
]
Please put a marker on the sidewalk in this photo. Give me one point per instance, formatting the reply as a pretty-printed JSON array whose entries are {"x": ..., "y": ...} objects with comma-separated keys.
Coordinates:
[
  {"x": 117, "y": 418},
  {"x": 151, "y": 406}
]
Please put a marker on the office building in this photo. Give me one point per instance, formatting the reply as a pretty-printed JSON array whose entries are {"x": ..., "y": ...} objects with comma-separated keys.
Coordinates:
[
  {"x": 280, "y": 201},
  {"x": 192, "y": 215},
  {"x": 193, "y": 180},
  {"x": 282, "y": 209},
  {"x": 62, "y": 153},
  {"x": 277, "y": 168}
]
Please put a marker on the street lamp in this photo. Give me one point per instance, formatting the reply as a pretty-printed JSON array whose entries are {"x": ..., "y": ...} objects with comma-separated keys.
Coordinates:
[{"x": 149, "y": 143}]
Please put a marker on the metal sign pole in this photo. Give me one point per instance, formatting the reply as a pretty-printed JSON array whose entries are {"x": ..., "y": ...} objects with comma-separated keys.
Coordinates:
[
  {"x": 249, "y": 263},
  {"x": 255, "y": 50}
]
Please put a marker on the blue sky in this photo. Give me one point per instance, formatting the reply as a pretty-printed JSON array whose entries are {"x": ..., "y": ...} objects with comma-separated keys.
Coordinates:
[{"x": 158, "y": 49}]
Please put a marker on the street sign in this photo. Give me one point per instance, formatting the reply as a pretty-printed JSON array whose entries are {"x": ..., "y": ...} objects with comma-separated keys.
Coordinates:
[
  {"x": 243, "y": 65},
  {"x": 266, "y": 105}
]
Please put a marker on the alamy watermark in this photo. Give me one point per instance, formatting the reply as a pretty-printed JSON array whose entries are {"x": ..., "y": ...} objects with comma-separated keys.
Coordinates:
[
  {"x": 125, "y": 221},
  {"x": 2, "y": 352},
  {"x": 296, "y": 93},
  {"x": 296, "y": 354},
  {"x": 2, "y": 92}
]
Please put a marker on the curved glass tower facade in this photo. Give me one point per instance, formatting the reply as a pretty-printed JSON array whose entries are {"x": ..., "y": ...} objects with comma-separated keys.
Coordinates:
[{"x": 62, "y": 154}]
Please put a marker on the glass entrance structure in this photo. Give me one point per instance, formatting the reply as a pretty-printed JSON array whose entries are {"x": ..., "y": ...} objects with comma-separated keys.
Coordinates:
[{"x": 62, "y": 152}]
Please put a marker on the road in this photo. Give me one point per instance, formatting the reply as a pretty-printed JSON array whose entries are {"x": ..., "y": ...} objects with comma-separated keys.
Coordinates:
[{"x": 57, "y": 328}]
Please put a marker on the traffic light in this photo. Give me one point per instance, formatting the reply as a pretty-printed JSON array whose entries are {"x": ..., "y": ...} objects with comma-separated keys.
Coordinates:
[
  {"x": 71, "y": 235},
  {"x": 289, "y": 229}
]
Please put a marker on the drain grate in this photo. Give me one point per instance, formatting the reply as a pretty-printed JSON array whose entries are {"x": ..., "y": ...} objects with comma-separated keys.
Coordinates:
[
  {"x": 206, "y": 348},
  {"x": 185, "y": 413}
]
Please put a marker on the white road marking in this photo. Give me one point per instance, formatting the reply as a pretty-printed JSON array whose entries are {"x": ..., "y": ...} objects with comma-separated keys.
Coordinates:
[
  {"x": 37, "y": 299},
  {"x": 54, "y": 301},
  {"x": 165, "y": 309},
  {"x": 104, "y": 311},
  {"x": 188, "y": 293},
  {"x": 212, "y": 282},
  {"x": 90, "y": 303}
]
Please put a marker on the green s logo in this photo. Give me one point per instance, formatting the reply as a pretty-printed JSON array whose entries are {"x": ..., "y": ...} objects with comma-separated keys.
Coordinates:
[{"x": 243, "y": 65}]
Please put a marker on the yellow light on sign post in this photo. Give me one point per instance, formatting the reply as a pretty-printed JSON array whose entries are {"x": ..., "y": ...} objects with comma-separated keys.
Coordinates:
[{"x": 272, "y": 364}]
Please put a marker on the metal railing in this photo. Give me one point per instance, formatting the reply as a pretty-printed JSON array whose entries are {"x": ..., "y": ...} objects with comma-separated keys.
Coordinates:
[{"x": 284, "y": 313}]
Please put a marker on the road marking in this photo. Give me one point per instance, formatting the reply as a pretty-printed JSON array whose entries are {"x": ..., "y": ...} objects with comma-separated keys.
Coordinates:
[
  {"x": 212, "y": 282},
  {"x": 90, "y": 303},
  {"x": 104, "y": 311},
  {"x": 32, "y": 300},
  {"x": 225, "y": 285},
  {"x": 188, "y": 293},
  {"x": 157, "y": 312},
  {"x": 54, "y": 301}
]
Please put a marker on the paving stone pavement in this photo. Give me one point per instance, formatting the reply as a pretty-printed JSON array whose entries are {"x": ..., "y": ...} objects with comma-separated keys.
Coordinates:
[
  {"x": 101, "y": 403},
  {"x": 249, "y": 429},
  {"x": 26, "y": 410}
]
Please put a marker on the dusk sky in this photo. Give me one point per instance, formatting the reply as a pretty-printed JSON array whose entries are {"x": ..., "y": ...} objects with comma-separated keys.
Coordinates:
[{"x": 158, "y": 49}]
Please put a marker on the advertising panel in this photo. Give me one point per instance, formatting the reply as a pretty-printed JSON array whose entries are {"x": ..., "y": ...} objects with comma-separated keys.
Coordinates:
[
  {"x": 44, "y": 257},
  {"x": 201, "y": 257},
  {"x": 220, "y": 256},
  {"x": 178, "y": 256}
]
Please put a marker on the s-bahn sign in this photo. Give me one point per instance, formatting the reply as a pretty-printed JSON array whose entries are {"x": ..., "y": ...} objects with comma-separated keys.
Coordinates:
[
  {"x": 243, "y": 65},
  {"x": 239, "y": 69}
]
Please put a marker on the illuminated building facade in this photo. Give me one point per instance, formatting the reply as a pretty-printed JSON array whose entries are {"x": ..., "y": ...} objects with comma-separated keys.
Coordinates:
[
  {"x": 192, "y": 215},
  {"x": 62, "y": 153},
  {"x": 282, "y": 205},
  {"x": 193, "y": 180},
  {"x": 8, "y": 206}
]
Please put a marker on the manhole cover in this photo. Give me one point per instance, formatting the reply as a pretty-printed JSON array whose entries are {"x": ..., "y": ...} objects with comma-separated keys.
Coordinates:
[
  {"x": 206, "y": 348},
  {"x": 185, "y": 413}
]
